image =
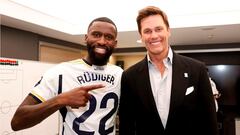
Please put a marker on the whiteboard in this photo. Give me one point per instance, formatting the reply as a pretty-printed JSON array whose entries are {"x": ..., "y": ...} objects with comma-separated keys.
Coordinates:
[{"x": 17, "y": 77}]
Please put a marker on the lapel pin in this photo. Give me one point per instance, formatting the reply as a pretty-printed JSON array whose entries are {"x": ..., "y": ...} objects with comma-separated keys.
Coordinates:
[{"x": 186, "y": 75}]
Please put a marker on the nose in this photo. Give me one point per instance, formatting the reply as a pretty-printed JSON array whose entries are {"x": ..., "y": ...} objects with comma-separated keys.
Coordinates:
[
  {"x": 154, "y": 34},
  {"x": 102, "y": 41}
]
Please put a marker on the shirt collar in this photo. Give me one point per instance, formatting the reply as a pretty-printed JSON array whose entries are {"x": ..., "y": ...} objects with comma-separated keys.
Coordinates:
[{"x": 165, "y": 60}]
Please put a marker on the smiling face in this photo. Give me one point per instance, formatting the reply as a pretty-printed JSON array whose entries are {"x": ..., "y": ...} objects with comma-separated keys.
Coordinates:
[
  {"x": 155, "y": 34},
  {"x": 101, "y": 41}
]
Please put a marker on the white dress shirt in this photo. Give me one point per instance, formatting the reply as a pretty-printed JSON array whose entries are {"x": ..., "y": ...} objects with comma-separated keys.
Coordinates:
[{"x": 161, "y": 85}]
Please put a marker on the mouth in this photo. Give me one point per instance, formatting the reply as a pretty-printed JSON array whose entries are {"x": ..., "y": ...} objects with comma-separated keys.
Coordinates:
[
  {"x": 155, "y": 43},
  {"x": 100, "y": 50}
]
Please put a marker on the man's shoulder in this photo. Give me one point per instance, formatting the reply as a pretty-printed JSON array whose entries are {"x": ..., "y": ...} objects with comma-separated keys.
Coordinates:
[
  {"x": 187, "y": 60},
  {"x": 188, "y": 64},
  {"x": 61, "y": 67}
]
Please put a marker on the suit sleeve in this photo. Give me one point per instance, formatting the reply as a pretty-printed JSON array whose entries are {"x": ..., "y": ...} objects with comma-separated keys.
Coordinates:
[
  {"x": 207, "y": 106},
  {"x": 126, "y": 108}
]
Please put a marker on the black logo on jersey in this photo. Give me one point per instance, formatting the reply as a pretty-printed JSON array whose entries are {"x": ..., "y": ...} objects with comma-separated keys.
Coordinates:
[
  {"x": 38, "y": 82},
  {"x": 89, "y": 77}
]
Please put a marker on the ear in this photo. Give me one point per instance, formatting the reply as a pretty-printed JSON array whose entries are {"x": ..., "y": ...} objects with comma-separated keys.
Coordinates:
[
  {"x": 86, "y": 36},
  {"x": 141, "y": 39},
  {"x": 115, "y": 43},
  {"x": 169, "y": 32}
]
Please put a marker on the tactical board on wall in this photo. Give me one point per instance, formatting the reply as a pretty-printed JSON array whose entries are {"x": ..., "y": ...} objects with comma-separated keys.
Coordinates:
[{"x": 17, "y": 77}]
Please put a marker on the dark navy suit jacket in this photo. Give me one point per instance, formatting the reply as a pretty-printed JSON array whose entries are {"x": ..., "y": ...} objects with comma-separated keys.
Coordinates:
[{"x": 192, "y": 114}]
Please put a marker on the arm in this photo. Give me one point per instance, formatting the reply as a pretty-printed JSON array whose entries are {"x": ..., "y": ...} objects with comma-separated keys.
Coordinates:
[
  {"x": 208, "y": 111},
  {"x": 30, "y": 112}
]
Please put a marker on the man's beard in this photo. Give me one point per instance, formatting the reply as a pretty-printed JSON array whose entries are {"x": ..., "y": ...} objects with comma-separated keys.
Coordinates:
[{"x": 99, "y": 59}]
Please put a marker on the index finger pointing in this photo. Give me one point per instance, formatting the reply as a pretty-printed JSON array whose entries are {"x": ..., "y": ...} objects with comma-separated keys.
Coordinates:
[{"x": 92, "y": 87}]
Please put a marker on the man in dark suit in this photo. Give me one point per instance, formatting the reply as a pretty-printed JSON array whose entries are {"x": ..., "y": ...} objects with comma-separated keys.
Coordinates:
[{"x": 165, "y": 93}]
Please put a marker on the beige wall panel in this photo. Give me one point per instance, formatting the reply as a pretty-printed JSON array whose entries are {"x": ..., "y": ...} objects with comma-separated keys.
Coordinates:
[
  {"x": 54, "y": 54},
  {"x": 130, "y": 60}
]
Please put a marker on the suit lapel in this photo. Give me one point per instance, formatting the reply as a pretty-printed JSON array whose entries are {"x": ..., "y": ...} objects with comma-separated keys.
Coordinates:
[
  {"x": 180, "y": 81},
  {"x": 147, "y": 95}
]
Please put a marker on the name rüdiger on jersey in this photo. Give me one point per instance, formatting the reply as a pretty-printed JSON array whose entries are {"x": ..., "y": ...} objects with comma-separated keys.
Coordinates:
[{"x": 89, "y": 76}]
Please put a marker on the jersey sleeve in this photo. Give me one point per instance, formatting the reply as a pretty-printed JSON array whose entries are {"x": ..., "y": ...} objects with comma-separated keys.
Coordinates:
[{"x": 47, "y": 87}]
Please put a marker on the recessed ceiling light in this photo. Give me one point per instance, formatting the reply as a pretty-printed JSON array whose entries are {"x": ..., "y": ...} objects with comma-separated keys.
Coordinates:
[{"x": 210, "y": 36}]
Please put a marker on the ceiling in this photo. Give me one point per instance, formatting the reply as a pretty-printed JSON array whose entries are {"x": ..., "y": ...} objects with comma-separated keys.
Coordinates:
[{"x": 192, "y": 29}]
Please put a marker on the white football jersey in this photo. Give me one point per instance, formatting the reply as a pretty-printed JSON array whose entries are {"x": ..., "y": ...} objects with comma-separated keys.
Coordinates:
[{"x": 98, "y": 117}]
